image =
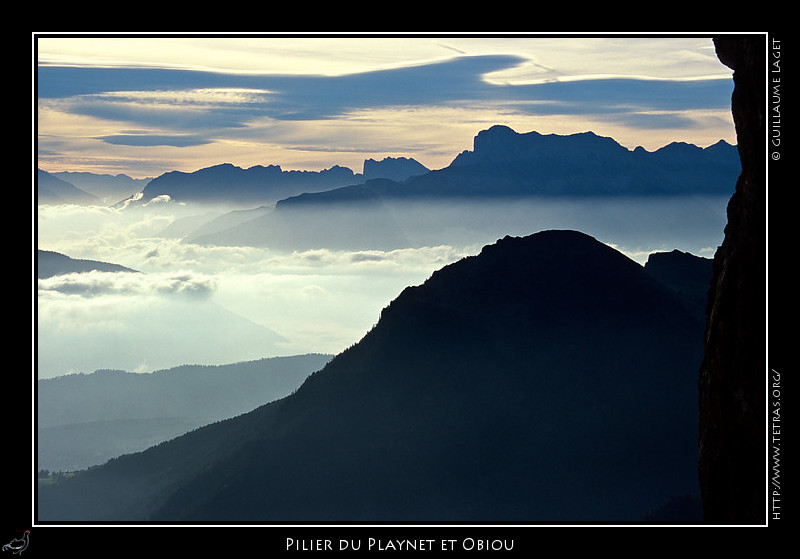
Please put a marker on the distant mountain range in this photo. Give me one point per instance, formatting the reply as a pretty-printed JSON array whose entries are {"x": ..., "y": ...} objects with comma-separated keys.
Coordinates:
[
  {"x": 84, "y": 188},
  {"x": 229, "y": 184},
  {"x": 502, "y": 163},
  {"x": 53, "y": 190},
  {"x": 49, "y": 263},
  {"x": 108, "y": 189},
  {"x": 504, "y": 168},
  {"x": 86, "y": 419},
  {"x": 548, "y": 378},
  {"x": 508, "y": 164},
  {"x": 399, "y": 203}
]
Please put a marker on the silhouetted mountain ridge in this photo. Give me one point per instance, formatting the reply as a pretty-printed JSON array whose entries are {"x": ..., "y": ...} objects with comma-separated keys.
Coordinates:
[
  {"x": 50, "y": 263},
  {"x": 502, "y": 163},
  {"x": 394, "y": 168},
  {"x": 86, "y": 419},
  {"x": 685, "y": 273},
  {"x": 229, "y": 184},
  {"x": 108, "y": 189},
  {"x": 547, "y": 378},
  {"x": 506, "y": 163},
  {"x": 505, "y": 167},
  {"x": 53, "y": 190}
]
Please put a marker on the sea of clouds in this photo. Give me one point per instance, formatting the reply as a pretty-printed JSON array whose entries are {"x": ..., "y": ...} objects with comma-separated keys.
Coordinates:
[{"x": 193, "y": 304}]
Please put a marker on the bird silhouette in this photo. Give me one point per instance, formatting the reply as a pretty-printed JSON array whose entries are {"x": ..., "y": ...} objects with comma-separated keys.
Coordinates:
[{"x": 18, "y": 545}]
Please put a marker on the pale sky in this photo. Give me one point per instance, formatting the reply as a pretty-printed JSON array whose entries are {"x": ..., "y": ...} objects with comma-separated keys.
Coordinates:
[{"x": 147, "y": 105}]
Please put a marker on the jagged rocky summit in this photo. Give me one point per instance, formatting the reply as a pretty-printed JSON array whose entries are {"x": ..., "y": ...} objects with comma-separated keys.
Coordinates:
[
  {"x": 260, "y": 184},
  {"x": 508, "y": 164},
  {"x": 503, "y": 163}
]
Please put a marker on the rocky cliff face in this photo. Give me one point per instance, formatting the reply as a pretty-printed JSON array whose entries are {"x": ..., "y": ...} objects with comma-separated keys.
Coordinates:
[{"x": 732, "y": 419}]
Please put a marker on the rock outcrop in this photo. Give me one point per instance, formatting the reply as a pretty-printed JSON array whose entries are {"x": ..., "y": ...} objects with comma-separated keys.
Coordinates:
[{"x": 732, "y": 426}]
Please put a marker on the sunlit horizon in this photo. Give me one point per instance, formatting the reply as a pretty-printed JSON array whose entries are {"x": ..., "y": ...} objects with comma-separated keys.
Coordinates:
[
  {"x": 147, "y": 106},
  {"x": 143, "y": 106}
]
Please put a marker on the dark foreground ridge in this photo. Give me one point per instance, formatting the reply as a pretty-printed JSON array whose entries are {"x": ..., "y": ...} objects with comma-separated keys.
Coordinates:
[
  {"x": 733, "y": 427},
  {"x": 548, "y": 378}
]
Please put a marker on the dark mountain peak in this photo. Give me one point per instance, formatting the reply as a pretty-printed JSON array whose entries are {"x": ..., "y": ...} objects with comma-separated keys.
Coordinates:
[
  {"x": 500, "y": 139},
  {"x": 258, "y": 184},
  {"x": 270, "y": 167},
  {"x": 494, "y": 135},
  {"x": 721, "y": 144},
  {"x": 558, "y": 272},
  {"x": 680, "y": 145},
  {"x": 675, "y": 258},
  {"x": 722, "y": 150},
  {"x": 686, "y": 274},
  {"x": 505, "y": 162},
  {"x": 219, "y": 167},
  {"x": 552, "y": 252},
  {"x": 52, "y": 190},
  {"x": 679, "y": 150},
  {"x": 553, "y": 242},
  {"x": 395, "y": 168}
]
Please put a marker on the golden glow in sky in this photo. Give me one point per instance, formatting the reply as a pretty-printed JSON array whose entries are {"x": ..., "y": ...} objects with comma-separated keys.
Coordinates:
[{"x": 147, "y": 105}]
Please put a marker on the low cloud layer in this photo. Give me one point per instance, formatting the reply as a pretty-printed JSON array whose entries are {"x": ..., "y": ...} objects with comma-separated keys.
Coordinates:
[
  {"x": 220, "y": 304},
  {"x": 197, "y": 304},
  {"x": 97, "y": 284}
]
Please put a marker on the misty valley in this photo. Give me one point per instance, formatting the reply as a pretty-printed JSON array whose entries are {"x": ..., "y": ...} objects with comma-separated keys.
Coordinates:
[{"x": 514, "y": 337}]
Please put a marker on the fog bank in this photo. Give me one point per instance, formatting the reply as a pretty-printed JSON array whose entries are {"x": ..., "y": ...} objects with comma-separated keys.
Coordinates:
[{"x": 208, "y": 304}]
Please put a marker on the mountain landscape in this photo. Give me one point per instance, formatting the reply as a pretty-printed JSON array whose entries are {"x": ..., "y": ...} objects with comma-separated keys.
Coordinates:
[
  {"x": 84, "y": 420},
  {"x": 502, "y": 163},
  {"x": 547, "y": 378},
  {"x": 506, "y": 163},
  {"x": 106, "y": 189},
  {"x": 230, "y": 185},
  {"x": 69, "y": 187},
  {"x": 481, "y": 394},
  {"x": 509, "y": 180},
  {"x": 51, "y": 189},
  {"x": 465, "y": 379}
]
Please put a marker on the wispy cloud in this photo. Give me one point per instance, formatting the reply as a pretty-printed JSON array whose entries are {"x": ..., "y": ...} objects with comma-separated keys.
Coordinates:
[
  {"x": 97, "y": 92},
  {"x": 276, "y": 99}
]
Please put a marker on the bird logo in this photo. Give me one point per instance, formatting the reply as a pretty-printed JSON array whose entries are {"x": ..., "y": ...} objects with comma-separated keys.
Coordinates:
[{"x": 18, "y": 545}]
